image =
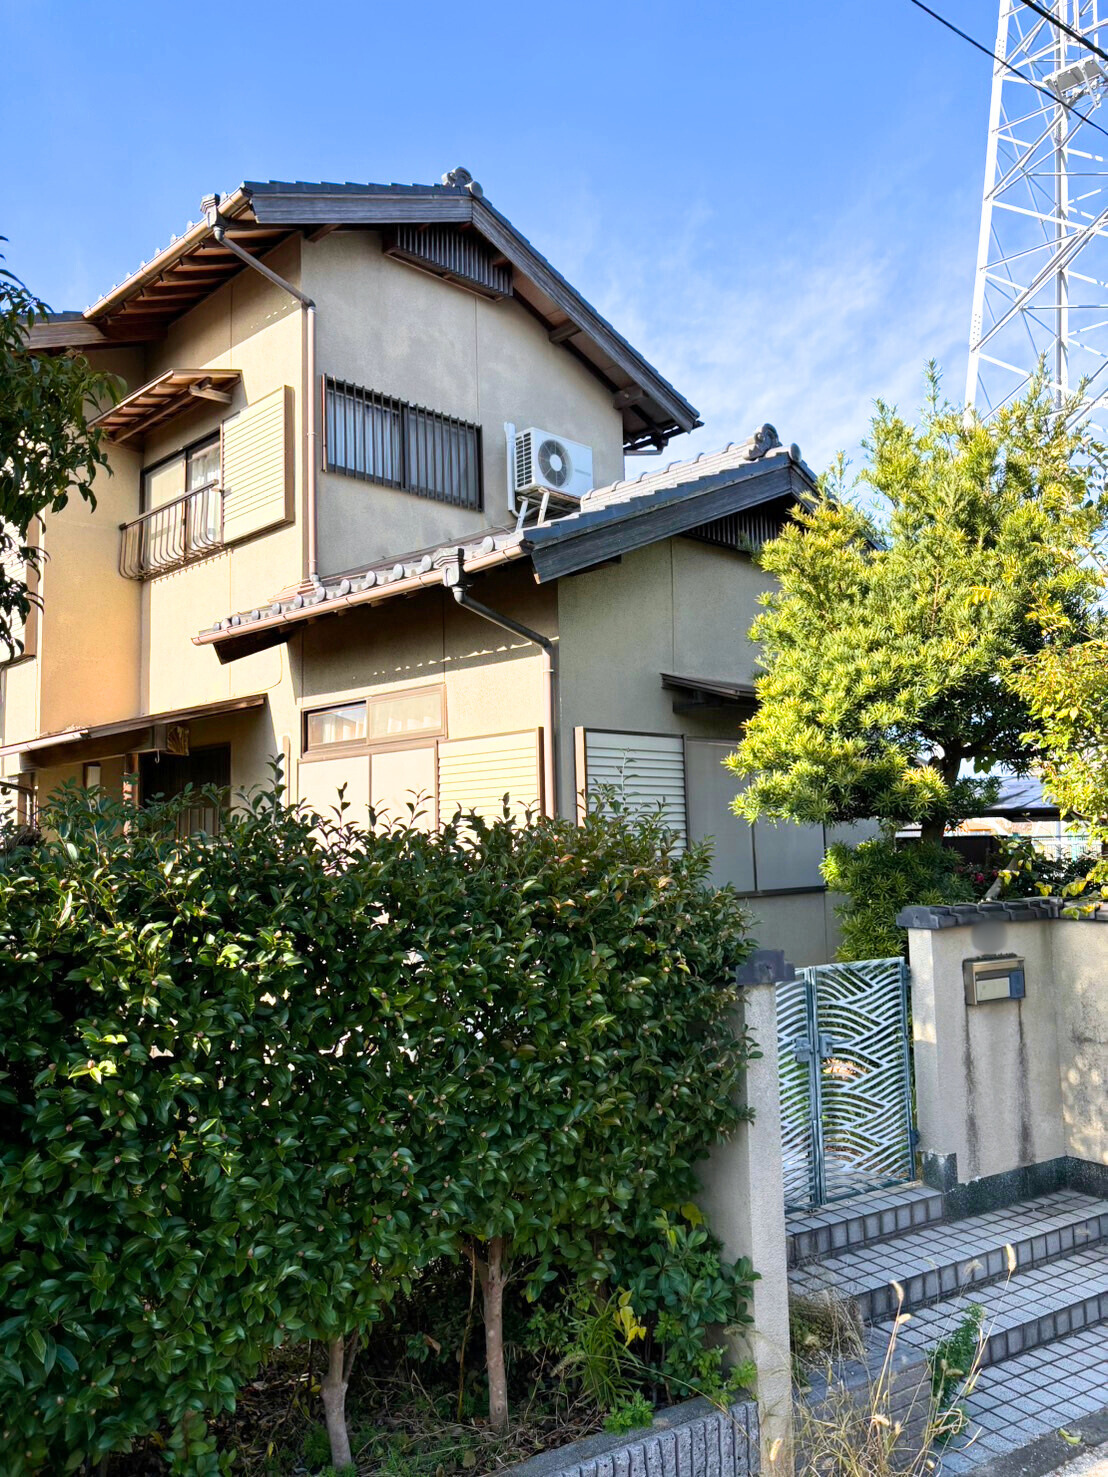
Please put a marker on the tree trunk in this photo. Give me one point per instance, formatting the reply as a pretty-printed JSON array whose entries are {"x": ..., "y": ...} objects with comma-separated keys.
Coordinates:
[
  {"x": 932, "y": 831},
  {"x": 333, "y": 1389},
  {"x": 491, "y": 1274}
]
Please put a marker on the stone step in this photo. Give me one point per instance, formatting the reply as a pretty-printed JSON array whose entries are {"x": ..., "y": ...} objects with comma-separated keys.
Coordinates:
[
  {"x": 860, "y": 1221},
  {"x": 1027, "y": 1398},
  {"x": 942, "y": 1259},
  {"x": 1028, "y": 1310}
]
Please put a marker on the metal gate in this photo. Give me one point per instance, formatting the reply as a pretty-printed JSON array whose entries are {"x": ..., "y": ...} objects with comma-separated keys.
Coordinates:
[{"x": 846, "y": 1085}]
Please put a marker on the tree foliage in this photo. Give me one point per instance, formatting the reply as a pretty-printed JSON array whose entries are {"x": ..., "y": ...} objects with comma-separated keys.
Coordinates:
[
  {"x": 250, "y": 1083},
  {"x": 48, "y": 449},
  {"x": 888, "y": 642}
]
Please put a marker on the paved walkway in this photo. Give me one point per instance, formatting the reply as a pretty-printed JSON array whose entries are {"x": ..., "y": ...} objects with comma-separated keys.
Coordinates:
[{"x": 1032, "y": 1396}]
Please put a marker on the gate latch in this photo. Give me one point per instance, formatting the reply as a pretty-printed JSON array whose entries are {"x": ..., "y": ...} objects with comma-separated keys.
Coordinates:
[{"x": 826, "y": 1047}]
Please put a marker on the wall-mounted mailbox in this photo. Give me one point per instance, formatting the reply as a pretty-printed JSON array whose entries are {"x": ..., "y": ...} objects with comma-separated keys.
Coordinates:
[{"x": 993, "y": 977}]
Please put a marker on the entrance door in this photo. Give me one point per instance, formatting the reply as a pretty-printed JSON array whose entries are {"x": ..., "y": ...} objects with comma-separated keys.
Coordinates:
[
  {"x": 845, "y": 1071},
  {"x": 164, "y": 776}
]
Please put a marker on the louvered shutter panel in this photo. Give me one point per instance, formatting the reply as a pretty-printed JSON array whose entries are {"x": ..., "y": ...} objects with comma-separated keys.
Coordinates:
[
  {"x": 257, "y": 466},
  {"x": 646, "y": 770},
  {"x": 476, "y": 774}
]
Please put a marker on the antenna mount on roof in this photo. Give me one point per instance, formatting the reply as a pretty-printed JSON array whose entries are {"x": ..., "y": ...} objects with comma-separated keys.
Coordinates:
[{"x": 463, "y": 178}]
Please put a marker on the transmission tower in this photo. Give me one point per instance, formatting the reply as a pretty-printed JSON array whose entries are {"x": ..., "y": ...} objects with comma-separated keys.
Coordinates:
[{"x": 1041, "y": 290}]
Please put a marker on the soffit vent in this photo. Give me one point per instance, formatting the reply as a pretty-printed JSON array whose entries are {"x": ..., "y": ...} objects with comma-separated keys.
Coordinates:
[{"x": 461, "y": 257}]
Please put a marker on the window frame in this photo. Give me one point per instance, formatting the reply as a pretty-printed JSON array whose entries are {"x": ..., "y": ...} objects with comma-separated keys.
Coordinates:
[
  {"x": 183, "y": 454},
  {"x": 357, "y": 747},
  {"x": 439, "y": 425}
]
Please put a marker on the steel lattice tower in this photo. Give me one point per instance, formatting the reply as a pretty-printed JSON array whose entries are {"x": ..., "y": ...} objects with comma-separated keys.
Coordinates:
[{"x": 1041, "y": 289}]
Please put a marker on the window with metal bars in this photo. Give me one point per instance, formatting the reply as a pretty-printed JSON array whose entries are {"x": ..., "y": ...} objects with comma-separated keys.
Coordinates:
[{"x": 385, "y": 440}]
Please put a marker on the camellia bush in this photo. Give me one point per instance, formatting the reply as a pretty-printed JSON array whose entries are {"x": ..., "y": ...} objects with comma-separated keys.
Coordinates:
[{"x": 251, "y": 1083}]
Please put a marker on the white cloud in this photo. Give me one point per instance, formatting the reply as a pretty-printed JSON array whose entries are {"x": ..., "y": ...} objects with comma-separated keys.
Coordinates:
[{"x": 806, "y": 334}]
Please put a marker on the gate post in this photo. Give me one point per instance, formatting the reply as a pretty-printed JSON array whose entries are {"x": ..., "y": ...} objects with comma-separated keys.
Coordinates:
[{"x": 743, "y": 1196}]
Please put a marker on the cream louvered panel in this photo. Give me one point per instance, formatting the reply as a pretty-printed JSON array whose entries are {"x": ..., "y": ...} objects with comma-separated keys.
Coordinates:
[
  {"x": 646, "y": 770},
  {"x": 257, "y": 466},
  {"x": 476, "y": 774}
]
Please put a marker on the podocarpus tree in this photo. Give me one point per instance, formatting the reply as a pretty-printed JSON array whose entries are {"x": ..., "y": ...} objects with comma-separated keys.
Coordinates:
[
  {"x": 48, "y": 448},
  {"x": 887, "y": 643},
  {"x": 583, "y": 1057}
]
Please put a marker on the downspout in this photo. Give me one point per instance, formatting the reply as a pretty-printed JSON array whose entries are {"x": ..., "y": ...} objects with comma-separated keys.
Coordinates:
[
  {"x": 460, "y": 590},
  {"x": 219, "y": 231}
]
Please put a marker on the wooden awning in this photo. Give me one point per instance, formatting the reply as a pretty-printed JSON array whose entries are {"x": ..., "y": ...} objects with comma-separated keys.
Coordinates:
[
  {"x": 101, "y": 740},
  {"x": 171, "y": 394}
]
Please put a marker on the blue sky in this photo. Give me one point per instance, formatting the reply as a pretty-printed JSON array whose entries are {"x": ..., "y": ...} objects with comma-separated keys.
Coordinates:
[{"x": 776, "y": 202}]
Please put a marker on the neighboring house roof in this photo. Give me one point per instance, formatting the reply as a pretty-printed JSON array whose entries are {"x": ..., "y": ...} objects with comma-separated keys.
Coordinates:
[
  {"x": 1023, "y": 798},
  {"x": 260, "y": 215},
  {"x": 610, "y": 522}
]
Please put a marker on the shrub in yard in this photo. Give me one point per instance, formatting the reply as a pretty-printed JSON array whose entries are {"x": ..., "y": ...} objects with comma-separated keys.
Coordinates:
[
  {"x": 195, "y": 1037},
  {"x": 249, "y": 1083},
  {"x": 583, "y": 1057}
]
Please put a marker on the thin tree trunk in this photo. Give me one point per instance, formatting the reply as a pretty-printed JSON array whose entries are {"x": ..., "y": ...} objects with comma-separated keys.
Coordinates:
[
  {"x": 340, "y": 1362},
  {"x": 491, "y": 1274}
]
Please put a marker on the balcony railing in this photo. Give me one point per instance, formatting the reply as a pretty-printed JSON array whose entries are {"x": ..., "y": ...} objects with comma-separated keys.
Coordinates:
[{"x": 188, "y": 528}]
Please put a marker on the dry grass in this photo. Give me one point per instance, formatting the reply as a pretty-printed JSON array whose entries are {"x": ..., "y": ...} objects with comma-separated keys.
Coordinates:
[{"x": 889, "y": 1425}]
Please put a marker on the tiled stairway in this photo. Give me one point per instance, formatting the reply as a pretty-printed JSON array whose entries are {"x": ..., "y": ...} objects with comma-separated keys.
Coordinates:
[{"x": 1038, "y": 1268}]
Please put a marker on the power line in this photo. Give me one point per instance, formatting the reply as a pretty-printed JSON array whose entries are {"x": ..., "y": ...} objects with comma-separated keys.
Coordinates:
[
  {"x": 1058, "y": 102},
  {"x": 1069, "y": 30}
]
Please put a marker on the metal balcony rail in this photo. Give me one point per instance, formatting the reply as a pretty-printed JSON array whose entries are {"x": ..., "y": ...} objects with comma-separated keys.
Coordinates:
[{"x": 177, "y": 533}]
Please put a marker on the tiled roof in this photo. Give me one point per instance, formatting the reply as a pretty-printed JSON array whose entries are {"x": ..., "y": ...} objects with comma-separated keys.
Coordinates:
[
  {"x": 707, "y": 464},
  {"x": 405, "y": 573}
]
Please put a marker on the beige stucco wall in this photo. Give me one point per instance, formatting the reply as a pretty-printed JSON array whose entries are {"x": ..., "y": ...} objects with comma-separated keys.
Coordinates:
[
  {"x": 1080, "y": 953},
  {"x": 1012, "y": 1083},
  {"x": 682, "y": 607},
  {"x": 89, "y": 625},
  {"x": 253, "y": 326},
  {"x": 493, "y": 682},
  {"x": 391, "y": 328}
]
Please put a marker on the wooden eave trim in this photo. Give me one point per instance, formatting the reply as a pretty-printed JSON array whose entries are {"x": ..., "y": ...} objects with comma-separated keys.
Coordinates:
[
  {"x": 170, "y": 395},
  {"x": 232, "y": 207},
  {"x": 75, "y": 333}
]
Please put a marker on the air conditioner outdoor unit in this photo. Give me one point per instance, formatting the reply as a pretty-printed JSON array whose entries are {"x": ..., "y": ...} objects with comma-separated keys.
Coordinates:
[{"x": 552, "y": 466}]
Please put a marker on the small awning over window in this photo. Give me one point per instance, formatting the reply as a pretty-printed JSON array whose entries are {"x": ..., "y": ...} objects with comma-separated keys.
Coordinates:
[
  {"x": 701, "y": 694},
  {"x": 127, "y": 733},
  {"x": 171, "y": 394}
]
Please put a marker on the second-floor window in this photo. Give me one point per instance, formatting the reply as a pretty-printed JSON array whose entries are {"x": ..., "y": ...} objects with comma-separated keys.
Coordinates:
[
  {"x": 190, "y": 470},
  {"x": 385, "y": 440}
]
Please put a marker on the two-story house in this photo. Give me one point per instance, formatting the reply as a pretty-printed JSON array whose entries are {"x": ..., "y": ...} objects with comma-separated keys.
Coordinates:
[{"x": 368, "y": 512}]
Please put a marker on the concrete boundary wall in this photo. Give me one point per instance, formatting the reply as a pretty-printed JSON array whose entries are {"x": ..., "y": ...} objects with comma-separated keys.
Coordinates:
[
  {"x": 743, "y": 1197},
  {"x": 1016, "y": 1086},
  {"x": 694, "y": 1439}
]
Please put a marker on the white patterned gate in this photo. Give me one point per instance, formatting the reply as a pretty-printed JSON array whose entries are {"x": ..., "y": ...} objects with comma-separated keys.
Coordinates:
[{"x": 846, "y": 1080}]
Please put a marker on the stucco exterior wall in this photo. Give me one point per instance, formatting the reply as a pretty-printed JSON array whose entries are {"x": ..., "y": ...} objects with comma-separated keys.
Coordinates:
[
  {"x": 391, "y": 328},
  {"x": 253, "y": 326},
  {"x": 1080, "y": 954},
  {"x": 493, "y": 681},
  {"x": 1014, "y": 1083},
  {"x": 686, "y": 608},
  {"x": 89, "y": 625}
]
